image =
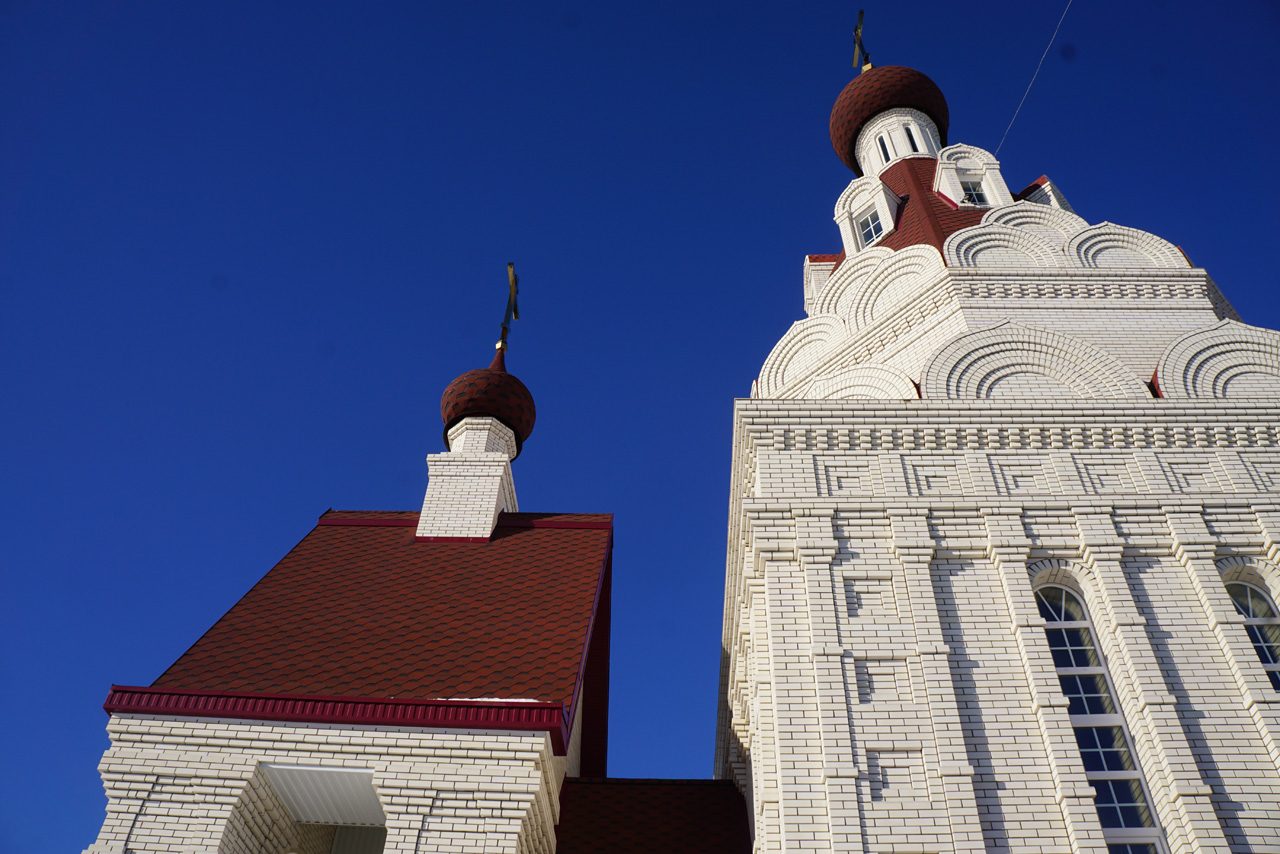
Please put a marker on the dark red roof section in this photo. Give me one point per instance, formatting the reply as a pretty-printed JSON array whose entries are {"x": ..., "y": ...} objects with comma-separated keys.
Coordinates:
[
  {"x": 490, "y": 392},
  {"x": 648, "y": 816},
  {"x": 362, "y": 609},
  {"x": 885, "y": 88},
  {"x": 1031, "y": 188},
  {"x": 924, "y": 217}
]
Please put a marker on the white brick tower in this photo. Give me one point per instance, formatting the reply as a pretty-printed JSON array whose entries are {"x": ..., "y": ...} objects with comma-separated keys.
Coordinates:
[{"x": 1004, "y": 542}]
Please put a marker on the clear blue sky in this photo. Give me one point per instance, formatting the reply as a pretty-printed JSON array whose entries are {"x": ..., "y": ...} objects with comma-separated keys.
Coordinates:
[{"x": 244, "y": 246}]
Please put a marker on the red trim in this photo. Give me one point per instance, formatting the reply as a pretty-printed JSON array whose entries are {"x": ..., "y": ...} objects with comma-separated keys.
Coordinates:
[
  {"x": 949, "y": 203},
  {"x": 366, "y": 711},
  {"x": 1155, "y": 383},
  {"x": 358, "y": 522},
  {"x": 581, "y": 524},
  {"x": 409, "y": 519},
  {"x": 1031, "y": 188}
]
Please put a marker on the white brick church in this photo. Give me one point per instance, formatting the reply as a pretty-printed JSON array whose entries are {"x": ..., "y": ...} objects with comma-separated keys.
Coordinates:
[{"x": 1002, "y": 573}]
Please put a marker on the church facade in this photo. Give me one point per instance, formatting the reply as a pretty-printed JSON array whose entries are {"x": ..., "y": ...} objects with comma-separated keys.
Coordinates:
[
  {"x": 1004, "y": 527},
  {"x": 1004, "y": 553}
]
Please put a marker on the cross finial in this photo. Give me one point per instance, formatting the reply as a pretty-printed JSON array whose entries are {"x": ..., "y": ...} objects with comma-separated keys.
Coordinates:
[
  {"x": 513, "y": 308},
  {"x": 861, "y": 56}
]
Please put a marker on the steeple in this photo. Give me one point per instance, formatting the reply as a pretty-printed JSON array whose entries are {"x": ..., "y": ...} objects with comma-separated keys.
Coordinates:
[{"x": 487, "y": 414}]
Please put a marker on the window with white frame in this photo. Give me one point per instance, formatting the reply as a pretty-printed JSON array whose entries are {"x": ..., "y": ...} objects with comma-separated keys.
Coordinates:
[
  {"x": 1124, "y": 810},
  {"x": 972, "y": 191},
  {"x": 911, "y": 139},
  {"x": 869, "y": 227},
  {"x": 1262, "y": 622},
  {"x": 884, "y": 148}
]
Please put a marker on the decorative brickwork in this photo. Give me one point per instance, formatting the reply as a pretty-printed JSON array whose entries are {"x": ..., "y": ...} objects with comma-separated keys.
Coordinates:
[{"x": 1094, "y": 420}]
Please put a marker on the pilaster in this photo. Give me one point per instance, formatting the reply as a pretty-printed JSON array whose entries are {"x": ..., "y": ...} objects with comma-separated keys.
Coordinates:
[
  {"x": 1196, "y": 549},
  {"x": 953, "y": 777},
  {"x": 1182, "y": 800},
  {"x": 817, "y": 544},
  {"x": 1009, "y": 550},
  {"x": 802, "y": 791}
]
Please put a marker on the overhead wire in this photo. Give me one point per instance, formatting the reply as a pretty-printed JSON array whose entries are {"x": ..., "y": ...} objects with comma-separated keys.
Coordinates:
[{"x": 1039, "y": 65}]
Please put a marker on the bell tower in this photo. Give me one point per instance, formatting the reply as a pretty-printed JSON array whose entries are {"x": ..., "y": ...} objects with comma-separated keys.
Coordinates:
[{"x": 994, "y": 502}]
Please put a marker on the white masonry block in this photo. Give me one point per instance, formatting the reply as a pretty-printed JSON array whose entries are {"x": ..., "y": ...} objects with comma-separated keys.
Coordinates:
[{"x": 469, "y": 485}]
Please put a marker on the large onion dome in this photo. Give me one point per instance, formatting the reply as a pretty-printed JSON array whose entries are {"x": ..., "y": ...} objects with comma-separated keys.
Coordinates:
[
  {"x": 489, "y": 393},
  {"x": 876, "y": 90}
]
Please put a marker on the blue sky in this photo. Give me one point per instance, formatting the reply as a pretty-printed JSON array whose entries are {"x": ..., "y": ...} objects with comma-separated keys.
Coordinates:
[{"x": 244, "y": 249}]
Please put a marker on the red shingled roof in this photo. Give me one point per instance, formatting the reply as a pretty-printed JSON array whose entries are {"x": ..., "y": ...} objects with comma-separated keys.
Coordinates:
[
  {"x": 366, "y": 610},
  {"x": 876, "y": 90},
  {"x": 925, "y": 217},
  {"x": 647, "y": 816}
]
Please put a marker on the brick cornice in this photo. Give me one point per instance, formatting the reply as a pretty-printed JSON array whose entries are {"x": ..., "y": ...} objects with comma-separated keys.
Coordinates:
[{"x": 357, "y": 711}]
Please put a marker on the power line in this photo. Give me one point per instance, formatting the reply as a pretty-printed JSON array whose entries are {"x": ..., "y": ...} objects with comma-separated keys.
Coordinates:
[{"x": 1033, "y": 77}]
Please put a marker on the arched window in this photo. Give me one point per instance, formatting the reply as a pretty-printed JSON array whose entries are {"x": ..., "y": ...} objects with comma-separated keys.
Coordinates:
[
  {"x": 1262, "y": 622},
  {"x": 1101, "y": 734}
]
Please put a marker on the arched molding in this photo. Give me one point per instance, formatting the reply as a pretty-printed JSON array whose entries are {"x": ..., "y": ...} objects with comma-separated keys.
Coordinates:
[
  {"x": 967, "y": 156},
  {"x": 862, "y": 195},
  {"x": 1052, "y": 226},
  {"x": 881, "y": 382},
  {"x": 892, "y": 282},
  {"x": 805, "y": 343},
  {"x": 841, "y": 289},
  {"x": 960, "y": 162},
  {"x": 1111, "y": 246},
  {"x": 1074, "y": 575},
  {"x": 1227, "y": 360},
  {"x": 996, "y": 245},
  {"x": 1257, "y": 571},
  {"x": 1028, "y": 361},
  {"x": 859, "y": 192}
]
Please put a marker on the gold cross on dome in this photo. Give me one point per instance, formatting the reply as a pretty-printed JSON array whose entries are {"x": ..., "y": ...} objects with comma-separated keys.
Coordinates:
[
  {"x": 861, "y": 56},
  {"x": 513, "y": 307}
]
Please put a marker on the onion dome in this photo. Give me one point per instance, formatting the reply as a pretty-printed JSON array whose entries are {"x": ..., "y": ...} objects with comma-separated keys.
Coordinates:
[
  {"x": 876, "y": 90},
  {"x": 489, "y": 393}
]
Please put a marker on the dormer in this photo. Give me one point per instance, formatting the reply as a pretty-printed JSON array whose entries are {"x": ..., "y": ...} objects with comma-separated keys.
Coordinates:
[
  {"x": 970, "y": 178},
  {"x": 865, "y": 213},
  {"x": 893, "y": 135}
]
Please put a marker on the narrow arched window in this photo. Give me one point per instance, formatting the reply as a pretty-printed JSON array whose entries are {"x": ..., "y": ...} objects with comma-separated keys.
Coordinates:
[
  {"x": 1262, "y": 622},
  {"x": 884, "y": 149},
  {"x": 1106, "y": 749},
  {"x": 911, "y": 139}
]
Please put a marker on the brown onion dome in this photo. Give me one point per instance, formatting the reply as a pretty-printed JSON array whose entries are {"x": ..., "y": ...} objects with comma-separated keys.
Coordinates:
[
  {"x": 876, "y": 90},
  {"x": 489, "y": 393}
]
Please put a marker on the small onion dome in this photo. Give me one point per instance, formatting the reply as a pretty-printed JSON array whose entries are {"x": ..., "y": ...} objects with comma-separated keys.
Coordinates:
[
  {"x": 489, "y": 393},
  {"x": 876, "y": 90}
]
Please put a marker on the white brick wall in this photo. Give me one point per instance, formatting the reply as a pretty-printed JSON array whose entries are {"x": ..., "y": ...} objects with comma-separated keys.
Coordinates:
[
  {"x": 193, "y": 785},
  {"x": 887, "y": 685}
]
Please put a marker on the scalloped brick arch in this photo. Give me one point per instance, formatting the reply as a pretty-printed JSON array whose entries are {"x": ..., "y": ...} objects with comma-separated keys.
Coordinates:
[
  {"x": 1114, "y": 246},
  {"x": 869, "y": 380},
  {"x": 996, "y": 245},
  {"x": 803, "y": 345},
  {"x": 892, "y": 282},
  {"x": 1227, "y": 360},
  {"x": 1010, "y": 360},
  {"x": 841, "y": 290},
  {"x": 1053, "y": 226}
]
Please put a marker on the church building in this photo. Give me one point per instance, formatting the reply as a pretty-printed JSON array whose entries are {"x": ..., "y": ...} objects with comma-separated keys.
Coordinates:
[{"x": 1002, "y": 571}]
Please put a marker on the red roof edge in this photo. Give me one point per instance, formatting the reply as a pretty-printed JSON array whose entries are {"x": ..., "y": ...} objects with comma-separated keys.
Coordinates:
[
  {"x": 363, "y": 711},
  {"x": 593, "y": 678},
  {"x": 1031, "y": 188},
  {"x": 409, "y": 519},
  {"x": 826, "y": 258}
]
